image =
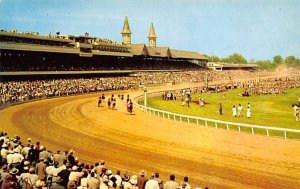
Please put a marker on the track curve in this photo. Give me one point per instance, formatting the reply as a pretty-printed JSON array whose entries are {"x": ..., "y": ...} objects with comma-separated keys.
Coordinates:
[{"x": 210, "y": 157}]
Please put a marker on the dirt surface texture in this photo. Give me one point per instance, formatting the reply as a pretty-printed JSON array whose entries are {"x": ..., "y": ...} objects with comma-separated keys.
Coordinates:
[{"x": 210, "y": 157}]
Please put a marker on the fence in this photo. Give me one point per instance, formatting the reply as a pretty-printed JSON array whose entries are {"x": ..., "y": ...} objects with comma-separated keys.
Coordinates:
[{"x": 240, "y": 127}]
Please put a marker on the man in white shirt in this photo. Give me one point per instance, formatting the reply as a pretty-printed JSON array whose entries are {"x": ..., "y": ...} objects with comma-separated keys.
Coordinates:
[
  {"x": 152, "y": 183},
  {"x": 171, "y": 184},
  {"x": 15, "y": 159}
]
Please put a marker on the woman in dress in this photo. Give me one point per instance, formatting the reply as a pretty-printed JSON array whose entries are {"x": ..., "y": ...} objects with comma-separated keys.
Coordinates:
[
  {"x": 234, "y": 111},
  {"x": 248, "y": 112}
]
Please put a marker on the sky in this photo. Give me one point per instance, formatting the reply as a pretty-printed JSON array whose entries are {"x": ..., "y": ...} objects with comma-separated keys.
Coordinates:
[{"x": 258, "y": 29}]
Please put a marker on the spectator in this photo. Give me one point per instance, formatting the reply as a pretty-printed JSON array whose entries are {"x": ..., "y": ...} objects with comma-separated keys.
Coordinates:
[
  {"x": 171, "y": 184},
  {"x": 152, "y": 183},
  {"x": 93, "y": 183}
]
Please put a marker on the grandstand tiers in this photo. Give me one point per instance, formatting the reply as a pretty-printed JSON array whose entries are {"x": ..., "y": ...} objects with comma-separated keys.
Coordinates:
[{"x": 31, "y": 52}]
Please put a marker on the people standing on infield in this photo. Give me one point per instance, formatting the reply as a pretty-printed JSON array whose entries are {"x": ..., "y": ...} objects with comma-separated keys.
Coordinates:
[
  {"x": 248, "y": 112},
  {"x": 188, "y": 99},
  {"x": 109, "y": 102},
  {"x": 221, "y": 109},
  {"x": 99, "y": 101},
  {"x": 240, "y": 109},
  {"x": 234, "y": 111},
  {"x": 129, "y": 106},
  {"x": 103, "y": 97},
  {"x": 296, "y": 112},
  {"x": 113, "y": 103}
]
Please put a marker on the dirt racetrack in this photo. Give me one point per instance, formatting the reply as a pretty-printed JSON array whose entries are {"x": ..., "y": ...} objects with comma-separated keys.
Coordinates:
[{"x": 210, "y": 157}]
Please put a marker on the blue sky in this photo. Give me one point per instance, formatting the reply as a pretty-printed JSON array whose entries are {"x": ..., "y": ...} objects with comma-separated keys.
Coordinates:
[{"x": 258, "y": 29}]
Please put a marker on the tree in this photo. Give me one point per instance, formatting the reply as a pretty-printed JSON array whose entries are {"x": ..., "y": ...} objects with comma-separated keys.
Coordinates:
[
  {"x": 225, "y": 60},
  {"x": 237, "y": 58},
  {"x": 277, "y": 59},
  {"x": 265, "y": 64},
  {"x": 290, "y": 60},
  {"x": 213, "y": 58},
  {"x": 57, "y": 33}
]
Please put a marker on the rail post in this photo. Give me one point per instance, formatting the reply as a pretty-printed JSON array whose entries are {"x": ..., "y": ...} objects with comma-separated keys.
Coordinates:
[{"x": 284, "y": 134}]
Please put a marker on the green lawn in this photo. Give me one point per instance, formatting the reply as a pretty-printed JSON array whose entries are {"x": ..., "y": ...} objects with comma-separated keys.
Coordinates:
[{"x": 267, "y": 110}]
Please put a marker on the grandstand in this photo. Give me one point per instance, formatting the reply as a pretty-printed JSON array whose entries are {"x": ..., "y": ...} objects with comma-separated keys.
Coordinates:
[{"x": 31, "y": 52}]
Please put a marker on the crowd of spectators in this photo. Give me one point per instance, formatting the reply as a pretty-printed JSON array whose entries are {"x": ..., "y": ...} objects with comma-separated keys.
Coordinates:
[
  {"x": 32, "y": 166},
  {"x": 20, "y": 91},
  {"x": 276, "y": 85}
]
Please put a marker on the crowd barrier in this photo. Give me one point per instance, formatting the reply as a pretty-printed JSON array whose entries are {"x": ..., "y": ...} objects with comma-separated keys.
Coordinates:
[{"x": 240, "y": 127}]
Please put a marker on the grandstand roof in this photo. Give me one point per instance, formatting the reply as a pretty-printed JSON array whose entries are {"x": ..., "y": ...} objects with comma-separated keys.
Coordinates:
[
  {"x": 158, "y": 51},
  {"x": 186, "y": 54},
  {"x": 34, "y": 36},
  {"x": 139, "y": 49}
]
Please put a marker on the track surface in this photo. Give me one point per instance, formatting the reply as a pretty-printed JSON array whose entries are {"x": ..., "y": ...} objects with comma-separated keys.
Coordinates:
[{"x": 210, "y": 157}]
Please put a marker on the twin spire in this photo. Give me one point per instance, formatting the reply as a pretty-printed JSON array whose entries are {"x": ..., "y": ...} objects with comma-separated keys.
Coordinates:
[{"x": 126, "y": 34}]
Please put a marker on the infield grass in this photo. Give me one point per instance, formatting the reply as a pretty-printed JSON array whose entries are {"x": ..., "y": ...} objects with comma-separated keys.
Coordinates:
[{"x": 266, "y": 110}]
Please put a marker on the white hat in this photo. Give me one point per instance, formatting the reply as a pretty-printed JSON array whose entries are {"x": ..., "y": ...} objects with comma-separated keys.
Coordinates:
[
  {"x": 143, "y": 172},
  {"x": 4, "y": 145},
  {"x": 14, "y": 171},
  {"x": 109, "y": 172},
  {"x": 74, "y": 168}
]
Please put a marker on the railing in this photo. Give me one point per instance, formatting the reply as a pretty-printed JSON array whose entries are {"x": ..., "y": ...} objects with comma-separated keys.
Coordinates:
[{"x": 240, "y": 127}]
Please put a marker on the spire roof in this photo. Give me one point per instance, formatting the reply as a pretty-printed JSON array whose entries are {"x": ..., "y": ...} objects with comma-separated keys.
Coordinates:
[
  {"x": 152, "y": 32},
  {"x": 126, "y": 28}
]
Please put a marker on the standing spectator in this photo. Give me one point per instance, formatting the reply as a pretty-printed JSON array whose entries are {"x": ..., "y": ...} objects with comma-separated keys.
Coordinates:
[
  {"x": 131, "y": 184},
  {"x": 234, "y": 111},
  {"x": 71, "y": 158},
  {"x": 296, "y": 112},
  {"x": 118, "y": 178},
  {"x": 248, "y": 112},
  {"x": 159, "y": 181},
  {"x": 3, "y": 153},
  {"x": 141, "y": 181},
  {"x": 15, "y": 159},
  {"x": 58, "y": 158},
  {"x": 6, "y": 181},
  {"x": 171, "y": 184},
  {"x": 240, "y": 109},
  {"x": 31, "y": 154},
  {"x": 37, "y": 151},
  {"x": 185, "y": 183},
  {"x": 44, "y": 154},
  {"x": 41, "y": 170},
  {"x": 221, "y": 109},
  {"x": 152, "y": 183},
  {"x": 93, "y": 183},
  {"x": 25, "y": 151}
]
